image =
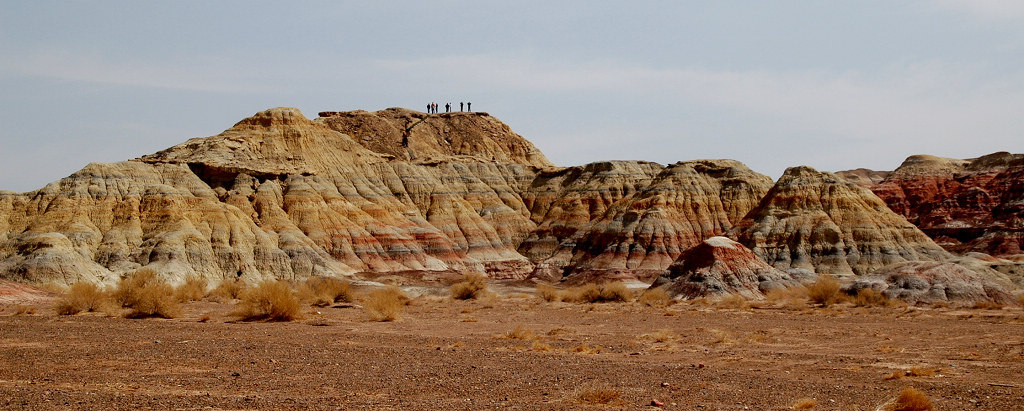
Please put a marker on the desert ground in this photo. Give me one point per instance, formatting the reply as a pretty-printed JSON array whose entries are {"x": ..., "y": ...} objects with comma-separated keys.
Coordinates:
[{"x": 513, "y": 350}]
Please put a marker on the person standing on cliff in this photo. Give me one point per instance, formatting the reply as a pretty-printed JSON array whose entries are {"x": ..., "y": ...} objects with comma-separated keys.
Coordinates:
[
  {"x": 448, "y": 108},
  {"x": 460, "y": 106},
  {"x": 434, "y": 106},
  {"x": 428, "y": 108},
  {"x": 469, "y": 106}
]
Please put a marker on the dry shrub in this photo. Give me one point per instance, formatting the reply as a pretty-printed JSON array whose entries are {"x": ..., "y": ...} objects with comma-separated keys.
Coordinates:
[
  {"x": 921, "y": 372},
  {"x": 541, "y": 347},
  {"x": 146, "y": 295},
  {"x": 228, "y": 290},
  {"x": 824, "y": 292},
  {"x": 1020, "y": 299},
  {"x": 548, "y": 293},
  {"x": 722, "y": 337},
  {"x": 269, "y": 301},
  {"x": 194, "y": 289},
  {"x": 325, "y": 291},
  {"x": 793, "y": 298},
  {"x": 385, "y": 304},
  {"x": 598, "y": 293},
  {"x": 599, "y": 395},
  {"x": 868, "y": 297},
  {"x": 518, "y": 333},
  {"x": 54, "y": 287},
  {"x": 735, "y": 301},
  {"x": 83, "y": 296},
  {"x": 471, "y": 287},
  {"x": 654, "y": 297},
  {"x": 910, "y": 399},
  {"x": 987, "y": 305},
  {"x": 584, "y": 349},
  {"x": 21, "y": 309},
  {"x": 805, "y": 404}
]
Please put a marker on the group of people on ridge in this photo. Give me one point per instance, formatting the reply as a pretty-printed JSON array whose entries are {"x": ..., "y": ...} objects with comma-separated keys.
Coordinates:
[{"x": 432, "y": 107}]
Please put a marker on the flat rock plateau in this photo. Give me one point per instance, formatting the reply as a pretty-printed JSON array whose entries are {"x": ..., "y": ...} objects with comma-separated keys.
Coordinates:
[{"x": 721, "y": 274}]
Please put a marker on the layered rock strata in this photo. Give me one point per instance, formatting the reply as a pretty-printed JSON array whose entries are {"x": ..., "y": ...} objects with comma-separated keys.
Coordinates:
[
  {"x": 821, "y": 222},
  {"x": 632, "y": 220},
  {"x": 720, "y": 266},
  {"x": 279, "y": 196},
  {"x": 965, "y": 205}
]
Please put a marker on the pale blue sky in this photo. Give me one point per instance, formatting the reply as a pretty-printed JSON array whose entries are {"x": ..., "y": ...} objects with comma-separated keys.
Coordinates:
[{"x": 832, "y": 85}]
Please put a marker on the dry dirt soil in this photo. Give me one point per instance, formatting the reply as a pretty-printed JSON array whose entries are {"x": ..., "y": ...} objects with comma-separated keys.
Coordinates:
[{"x": 513, "y": 352}]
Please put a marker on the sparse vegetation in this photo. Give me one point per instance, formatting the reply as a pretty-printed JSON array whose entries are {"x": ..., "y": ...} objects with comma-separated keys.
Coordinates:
[
  {"x": 868, "y": 297},
  {"x": 987, "y": 305},
  {"x": 194, "y": 289},
  {"x": 824, "y": 292},
  {"x": 471, "y": 287},
  {"x": 910, "y": 399},
  {"x": 518, "y": 333},
  {"x": 584, "y": 349},
  {"x": 805, "y": 404},
  {"x": 83, "y": 296},
  {"x": 228, "y": 290},
  {"x": 325, "y": 291},
  {"x": 793, "y": 298},
  {"x": 599, "y": 395},
  {"x": 548, "y": 293},
  {"x": 385, "y": 304},
  {"x": 269, "y": 301},
  {"x": 654, "y": 297},
  {"x": 735, "y": 301},
  {"x": 598, "y": 293},
  {"x": 21, "y": 309},
  {"x": 144, "y": 294}
]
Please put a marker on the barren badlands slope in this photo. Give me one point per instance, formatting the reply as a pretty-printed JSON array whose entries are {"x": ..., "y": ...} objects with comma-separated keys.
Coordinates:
[{"x": 281, "y": 196}]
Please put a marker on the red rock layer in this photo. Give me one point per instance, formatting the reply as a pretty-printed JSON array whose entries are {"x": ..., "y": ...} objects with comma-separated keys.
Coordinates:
[
  {"x": 965, "y": 205},
  {"x": 821, "y": 222}
]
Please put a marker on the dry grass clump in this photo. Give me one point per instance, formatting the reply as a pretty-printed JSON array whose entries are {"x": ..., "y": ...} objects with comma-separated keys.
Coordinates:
[
  {"x": 868, "y": 297},
  {"x": 82, "y": 296},
  {"x": 194, "y": 289},
  {"x": 599, "y": 395},
  {"x": 598, "y": 293},
  {"x": 910, "y": 399},
  {"x": 549, "y": 293},
  {"x": 722, "y": 336},
  {"x": 793, "y": 298},
  {"x": 229, "y": 290},
  {"x": 824, "y": 292},
  {"x": 654, "y": 297},
  {"x": 146, "y": 295},
  {"x": 584, "y": 349},
  {"x": 471, "y": 287},
  {"x": 541, "y": 347},
  {"x": 269, "y": 301},
  {"x": 987, "y": 305},
  {"x": 1020, "y": 299},
  {"x": 21, "y": 309},
  {"x": 735, "y": 301},
  {"x": 805, "y": 404},
  {"x": 385, "y": 304},
  {"x": 518, "y": 333},
  {"x": 325, "y": 291}
]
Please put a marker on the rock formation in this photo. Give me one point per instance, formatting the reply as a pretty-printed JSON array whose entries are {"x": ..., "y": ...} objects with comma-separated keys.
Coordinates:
[
  {"x": 933, "y": 282},
  {"x": 821, "y": 222},
  {"x": 280, "y": 196},
  {"x": 631, "y": 220},
  {"x": 965, "y": 205},
  {"x": 864, "y": 177},
  {"x": 720, "y": 266}
]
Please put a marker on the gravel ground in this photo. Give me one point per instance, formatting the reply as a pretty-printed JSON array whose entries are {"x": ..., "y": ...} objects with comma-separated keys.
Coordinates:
[{"x": 445, "y": 354}]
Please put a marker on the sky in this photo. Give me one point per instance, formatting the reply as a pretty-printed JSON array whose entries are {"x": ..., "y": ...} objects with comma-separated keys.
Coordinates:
[{"x": 828, "y": 84}]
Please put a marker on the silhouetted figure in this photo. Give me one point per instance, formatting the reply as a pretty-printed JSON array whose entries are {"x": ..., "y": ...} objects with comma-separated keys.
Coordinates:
[
  {"x": 469, "y": 106},
  {"x": 428, "y": 108},
  {"x": 448, "y": 108},
  {"x": 460, "y": 106}
]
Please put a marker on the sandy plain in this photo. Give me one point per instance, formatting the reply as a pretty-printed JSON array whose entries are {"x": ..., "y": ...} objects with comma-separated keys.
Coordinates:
[{"x": 513, "y": 351}]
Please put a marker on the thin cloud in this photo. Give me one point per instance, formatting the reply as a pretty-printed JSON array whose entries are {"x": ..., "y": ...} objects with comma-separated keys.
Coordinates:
[{"x": 210, "y": 75}]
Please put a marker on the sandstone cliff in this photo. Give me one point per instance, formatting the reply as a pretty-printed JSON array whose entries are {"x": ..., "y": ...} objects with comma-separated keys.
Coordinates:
[
  {"x": 821, "y": 222},
  {"x": 965, "y": 205}
]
